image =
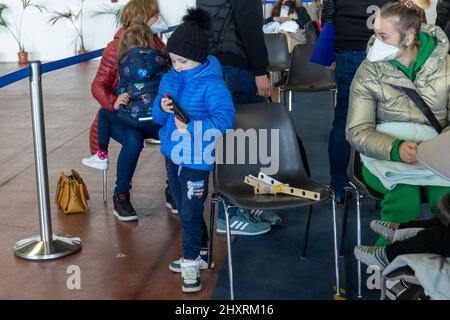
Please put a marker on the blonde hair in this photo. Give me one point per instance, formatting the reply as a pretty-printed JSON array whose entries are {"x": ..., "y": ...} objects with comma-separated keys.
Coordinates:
[
  {"x": 410, "y": 13},
  {"x": 136, "y": 36},
  {"x": 138, "y": 12},
  {"x": 422, "y": 4}
]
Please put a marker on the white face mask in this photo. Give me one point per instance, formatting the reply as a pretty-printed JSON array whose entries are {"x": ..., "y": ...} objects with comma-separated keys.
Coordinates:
[
  {"x": 284, "y": 12},
  {"x": 381, "y": 51},
  {"x": 158, "y": 26}
]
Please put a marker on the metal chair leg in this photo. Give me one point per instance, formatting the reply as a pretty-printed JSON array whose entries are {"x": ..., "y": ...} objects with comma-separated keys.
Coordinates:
[
  {"x": 308, "y": 225},
  {"x": 279, "y": 94},
  {"x": 105, "y": 185},
  {"x": 211, "y": 231},
  {"x": 344, "y": 226},
  {"x": 290, "y": 100},
  {"x": 383, "y": 288},
  {"x": 230, "y": 263},
  {"x": 334, "y": 96},
  {"x": 336, "y": 253},
  {"x": 358, "y": 227}
]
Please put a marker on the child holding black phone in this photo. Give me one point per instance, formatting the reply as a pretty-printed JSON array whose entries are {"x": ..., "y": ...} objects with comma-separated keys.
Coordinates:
[{"x": 196, "y": 84}]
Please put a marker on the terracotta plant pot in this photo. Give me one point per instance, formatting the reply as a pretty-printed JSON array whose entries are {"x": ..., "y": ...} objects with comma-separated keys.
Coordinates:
[{"x": 23, "y": 57}]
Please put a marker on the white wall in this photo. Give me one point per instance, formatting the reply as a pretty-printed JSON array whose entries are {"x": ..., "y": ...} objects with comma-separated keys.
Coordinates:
[{"x": 47, "y": 43}]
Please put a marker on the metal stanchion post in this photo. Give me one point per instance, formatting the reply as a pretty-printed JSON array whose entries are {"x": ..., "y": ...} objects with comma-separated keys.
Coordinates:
[
  {"x": 46, "y": 245},
  {"x": 105, "y": 185},
  {"x": 264, "y": 8}
]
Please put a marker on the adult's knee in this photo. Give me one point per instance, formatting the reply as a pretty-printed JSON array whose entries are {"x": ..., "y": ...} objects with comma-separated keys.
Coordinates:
[
  {"x": 133, "y": 142},
  {"x": 402, "y": 204}
]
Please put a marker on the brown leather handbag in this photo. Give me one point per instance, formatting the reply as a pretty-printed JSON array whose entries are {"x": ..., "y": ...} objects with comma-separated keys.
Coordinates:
[{"x": 71, "y": 193}]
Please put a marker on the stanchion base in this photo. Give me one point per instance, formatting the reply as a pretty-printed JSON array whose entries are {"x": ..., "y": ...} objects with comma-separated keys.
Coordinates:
[{"x": 33, "y": 248}]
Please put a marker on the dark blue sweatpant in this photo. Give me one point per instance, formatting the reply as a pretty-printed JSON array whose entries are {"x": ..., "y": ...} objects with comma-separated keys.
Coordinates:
[{"x": 189, "y": 189}]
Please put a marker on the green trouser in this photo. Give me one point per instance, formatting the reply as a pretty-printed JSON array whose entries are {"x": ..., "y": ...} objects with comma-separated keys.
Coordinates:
[{"x": 403, "y": 203}]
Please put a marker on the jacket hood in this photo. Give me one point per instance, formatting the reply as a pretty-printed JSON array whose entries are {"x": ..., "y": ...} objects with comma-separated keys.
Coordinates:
[
  {"x": 437, "y": 57},
  {"x": 210, "y": 68}
]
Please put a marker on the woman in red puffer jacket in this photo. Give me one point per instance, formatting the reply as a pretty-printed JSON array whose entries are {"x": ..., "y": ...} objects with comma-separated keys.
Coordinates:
[{"x": 104, "y": 90}]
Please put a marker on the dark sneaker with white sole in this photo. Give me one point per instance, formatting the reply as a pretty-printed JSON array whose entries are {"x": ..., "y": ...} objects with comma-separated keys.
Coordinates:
[
  {"x": 190, "y": 276},
  {"x": 152, "y": 141},
  {"x": 170, "y": 202},
  {"x": 175, "y": 266},
  {"x": 123, "y": 209}
]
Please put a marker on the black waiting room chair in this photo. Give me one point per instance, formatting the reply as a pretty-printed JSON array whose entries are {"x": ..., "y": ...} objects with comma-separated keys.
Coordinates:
[
  {"x": 305, "y": 76},
  {"x": 278, "y": 51},
  {"x": 232, "y": 192}
]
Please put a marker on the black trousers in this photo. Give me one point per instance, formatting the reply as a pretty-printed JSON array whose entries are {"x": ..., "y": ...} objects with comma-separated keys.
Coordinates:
[{"x": 435, "y": 238}]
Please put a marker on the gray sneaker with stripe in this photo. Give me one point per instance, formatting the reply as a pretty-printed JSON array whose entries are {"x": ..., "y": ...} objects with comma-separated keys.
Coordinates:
[
  {"x": 372, "y": 256},
  {"x": 243, "y": 224},
  {"x": 268, "y": 216},
  {"x": 384, "y": 228}
]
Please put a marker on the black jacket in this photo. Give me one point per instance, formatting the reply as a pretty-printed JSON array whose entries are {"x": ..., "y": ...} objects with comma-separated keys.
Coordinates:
[
  {"x": 443, "y": 13},
  {"x": 237, "y": 37},
  {"x": 351, "y": 19}
]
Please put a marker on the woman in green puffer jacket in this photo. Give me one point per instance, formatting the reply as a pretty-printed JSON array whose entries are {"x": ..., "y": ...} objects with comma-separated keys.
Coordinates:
[{"x": 402, "y": 53}]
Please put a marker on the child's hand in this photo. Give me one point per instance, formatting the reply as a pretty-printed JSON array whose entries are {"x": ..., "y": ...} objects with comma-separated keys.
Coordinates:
[
  {"x": 180, "y": 125},
  {"x": 166, "y": 105},
  {"x": 122, "y": 99}
]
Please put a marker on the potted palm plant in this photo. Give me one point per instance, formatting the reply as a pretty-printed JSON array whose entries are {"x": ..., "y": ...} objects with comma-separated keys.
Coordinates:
[
  {"x": 106, "y": 10},
  {"x": 75, "y": 18},
  {"x": 16, "y": 31}
]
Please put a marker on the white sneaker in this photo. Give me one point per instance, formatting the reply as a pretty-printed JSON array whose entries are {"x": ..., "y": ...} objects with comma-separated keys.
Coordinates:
[{"x": 95, "y": 162}]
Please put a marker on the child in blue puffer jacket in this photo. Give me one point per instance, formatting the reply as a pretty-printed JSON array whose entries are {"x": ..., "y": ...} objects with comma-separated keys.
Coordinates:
[
  {"x": 195, "y": 83},
  {"x": 141, "y": 67}
]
